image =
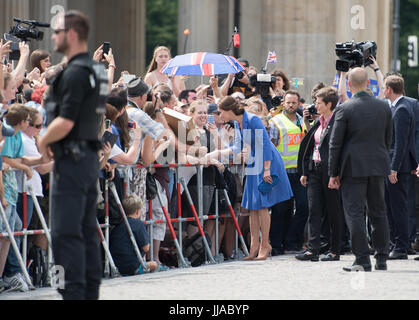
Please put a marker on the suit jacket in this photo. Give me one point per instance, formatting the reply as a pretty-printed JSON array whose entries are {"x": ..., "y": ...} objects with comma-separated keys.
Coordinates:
[
  {"x": 361, "y": 138},
  {"x": 305, "y": 154},
  {"x": 415, "y": 107},
  {"x": 402, "y": 151}
]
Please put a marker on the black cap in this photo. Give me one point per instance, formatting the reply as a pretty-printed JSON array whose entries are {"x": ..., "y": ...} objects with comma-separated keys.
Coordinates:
[
  {"x": 137, "y": 87},
  {"x": 244, "y": 61}
]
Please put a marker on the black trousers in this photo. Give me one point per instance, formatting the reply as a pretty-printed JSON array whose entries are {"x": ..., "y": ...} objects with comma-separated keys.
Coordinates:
[
  {"x": 73, "y": 225},
  {"x": 322, "y": 200},
  {"x": 398, "y": 210},
  {"x": 356, "y": 193}
]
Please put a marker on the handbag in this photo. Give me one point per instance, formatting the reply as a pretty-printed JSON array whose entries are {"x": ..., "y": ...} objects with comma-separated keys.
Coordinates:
[
  {"x": 151, "y": 187},
  {"x": 265, "y": 187}
]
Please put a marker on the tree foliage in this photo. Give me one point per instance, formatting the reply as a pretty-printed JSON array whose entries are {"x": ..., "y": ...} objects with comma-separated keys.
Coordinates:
[
  {"x": 409, "y": 25},
  {"x": 161, "y": 26}
]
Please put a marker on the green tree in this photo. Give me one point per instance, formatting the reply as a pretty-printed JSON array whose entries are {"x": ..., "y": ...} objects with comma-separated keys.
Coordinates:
[
  {"x": 161, "y": 26},
  {"x": 409, "y": 25}
]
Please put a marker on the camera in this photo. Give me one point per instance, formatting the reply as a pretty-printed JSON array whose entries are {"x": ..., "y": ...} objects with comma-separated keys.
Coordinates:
[
  {"x": 230, "y": 124},
  {"x": 239, "y": 75},
  {"x": 276, "y": 101},
  {"x": 29, "y": 31},
  {"x": 354, "y": 54},
  {"x": 262, "y": 82},
  {"x": 312, "y": 111},
  {"x": 150, "y": 96},
  {"x": 23, "y": 30},
  {"x": 108, "y": 175}
]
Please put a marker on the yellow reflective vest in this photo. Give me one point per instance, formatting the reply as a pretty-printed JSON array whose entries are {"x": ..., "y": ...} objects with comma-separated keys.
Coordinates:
[{"x": 290, "y": 137}]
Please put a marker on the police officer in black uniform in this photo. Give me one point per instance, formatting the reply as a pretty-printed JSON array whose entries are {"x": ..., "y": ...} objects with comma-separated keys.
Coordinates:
[{"x": 75, "y": 110}]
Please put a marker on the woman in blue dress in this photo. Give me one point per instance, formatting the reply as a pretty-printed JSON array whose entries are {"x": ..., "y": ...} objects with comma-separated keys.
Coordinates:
[{"x": 266, "y": 180}]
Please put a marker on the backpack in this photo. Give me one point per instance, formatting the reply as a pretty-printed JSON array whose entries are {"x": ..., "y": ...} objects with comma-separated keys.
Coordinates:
[
  {"x": 194, "y": 249},
  {"x": 38, "y": 266}
]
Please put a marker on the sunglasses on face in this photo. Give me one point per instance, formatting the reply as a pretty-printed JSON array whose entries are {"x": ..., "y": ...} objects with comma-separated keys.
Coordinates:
[{"x": 37, "y": 126}]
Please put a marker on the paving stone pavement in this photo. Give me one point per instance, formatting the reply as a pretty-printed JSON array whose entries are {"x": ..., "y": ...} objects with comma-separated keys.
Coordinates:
[{"x": 280, "y": 278}]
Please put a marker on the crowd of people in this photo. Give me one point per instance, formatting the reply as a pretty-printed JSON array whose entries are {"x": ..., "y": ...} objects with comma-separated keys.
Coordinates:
[{"x": 317, "y": 184}]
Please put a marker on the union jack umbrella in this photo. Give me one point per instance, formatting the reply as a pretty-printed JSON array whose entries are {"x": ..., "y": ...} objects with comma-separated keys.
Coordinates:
[{"x": 202, "y": 64}]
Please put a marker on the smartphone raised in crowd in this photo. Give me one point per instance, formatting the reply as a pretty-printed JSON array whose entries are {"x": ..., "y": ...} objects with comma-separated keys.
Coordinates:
[
  {"x": 19, "y": 98},
  {"x": 14, "y": 46},
  {"x": 105, "y": 49},
  {"x": 211, "y": 119}
]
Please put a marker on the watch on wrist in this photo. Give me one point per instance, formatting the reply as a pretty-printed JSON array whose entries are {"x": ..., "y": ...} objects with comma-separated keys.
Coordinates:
[
  {"x": 376, "y": 69},
  {"x": 267, "y": 168},
  {"x": 157, "y": 110}
]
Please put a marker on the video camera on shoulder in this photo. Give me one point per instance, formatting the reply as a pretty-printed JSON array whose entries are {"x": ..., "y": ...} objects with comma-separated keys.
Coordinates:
[
  {"x": 354, "y": 54},
  {"x": 23, "y": 31},
  {"x": 262, "y": 82}
]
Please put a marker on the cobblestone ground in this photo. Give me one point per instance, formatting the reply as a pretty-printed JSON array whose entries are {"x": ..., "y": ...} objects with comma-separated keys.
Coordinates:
[{"x": 281, "y": 278}]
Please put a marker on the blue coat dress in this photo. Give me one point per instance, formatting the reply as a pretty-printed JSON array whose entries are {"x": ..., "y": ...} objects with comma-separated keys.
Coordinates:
[{"x": 262, "y": 149}]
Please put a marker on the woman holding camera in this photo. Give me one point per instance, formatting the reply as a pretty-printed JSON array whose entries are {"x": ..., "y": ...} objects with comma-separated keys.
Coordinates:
[{"x": 313, "y": 160}]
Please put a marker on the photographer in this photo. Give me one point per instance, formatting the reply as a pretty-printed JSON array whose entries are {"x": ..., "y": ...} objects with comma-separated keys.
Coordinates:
[
  {"x": 40, "y": 61},
  {"x": 310, "y": 112},
  {"x": 343, "y": 91},
  {"x": 313, "y": 159},
  {"x": 281, "y": 85},
  {"x": 237, "y": 82}
]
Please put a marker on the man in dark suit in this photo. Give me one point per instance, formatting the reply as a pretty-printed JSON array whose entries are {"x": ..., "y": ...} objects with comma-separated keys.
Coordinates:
[
  {"x": 413, "y": 195},
  {"x": 403, "y": 162},
  {"x": 358, "y": 164}
]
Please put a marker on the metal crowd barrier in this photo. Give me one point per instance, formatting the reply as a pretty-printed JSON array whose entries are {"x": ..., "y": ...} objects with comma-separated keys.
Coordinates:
[{"x": 110, "y": 269}]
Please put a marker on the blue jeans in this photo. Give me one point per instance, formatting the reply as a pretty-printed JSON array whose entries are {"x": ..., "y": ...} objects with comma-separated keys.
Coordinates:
[
  {"x": 12, "y": 264},
  {"x": 287, "y": 230}
]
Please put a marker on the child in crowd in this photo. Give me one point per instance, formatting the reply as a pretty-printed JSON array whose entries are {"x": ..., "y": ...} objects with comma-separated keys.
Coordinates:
[
  {"x": 122, "y": 249},
  {"x": 18, "y": 117}
]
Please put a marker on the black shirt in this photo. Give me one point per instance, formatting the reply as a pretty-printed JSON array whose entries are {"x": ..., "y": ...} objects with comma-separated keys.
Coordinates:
[
  {"x": 73, "y": 88},
  {"x": 76, "y": 97}
]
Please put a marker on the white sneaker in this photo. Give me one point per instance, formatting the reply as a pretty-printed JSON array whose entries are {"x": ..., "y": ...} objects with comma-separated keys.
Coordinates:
[{"x": 15, "y": 283}]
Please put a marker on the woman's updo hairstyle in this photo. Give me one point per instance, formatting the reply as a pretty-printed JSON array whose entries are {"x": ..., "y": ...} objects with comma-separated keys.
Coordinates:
[{"x": 230, "y": 104}]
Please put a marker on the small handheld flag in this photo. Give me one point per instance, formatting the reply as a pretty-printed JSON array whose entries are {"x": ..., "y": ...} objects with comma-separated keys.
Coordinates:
[{"x": 271, "y": 57}]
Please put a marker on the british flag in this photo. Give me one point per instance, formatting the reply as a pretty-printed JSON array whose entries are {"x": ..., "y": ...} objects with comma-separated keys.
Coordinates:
[{"x": 271, "y": 57}]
